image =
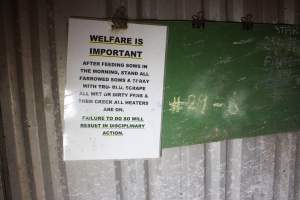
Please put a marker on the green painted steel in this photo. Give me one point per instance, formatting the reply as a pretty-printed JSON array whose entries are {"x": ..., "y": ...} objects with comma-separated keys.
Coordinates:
[{"x": 225, "y": 82}]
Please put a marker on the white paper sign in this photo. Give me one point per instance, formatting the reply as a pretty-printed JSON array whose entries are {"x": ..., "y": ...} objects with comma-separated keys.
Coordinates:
[{"x": 114, "y": 91}]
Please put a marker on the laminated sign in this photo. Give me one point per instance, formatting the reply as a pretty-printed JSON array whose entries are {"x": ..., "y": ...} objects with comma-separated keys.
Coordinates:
[{"x": 114, "y": 90}]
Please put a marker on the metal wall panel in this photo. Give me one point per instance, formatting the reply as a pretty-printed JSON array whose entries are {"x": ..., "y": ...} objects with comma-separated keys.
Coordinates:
[
  {"x": 33, "y": 59},
  {"x": 3, "y": 164},
  {"x": 2, "y": 193}
]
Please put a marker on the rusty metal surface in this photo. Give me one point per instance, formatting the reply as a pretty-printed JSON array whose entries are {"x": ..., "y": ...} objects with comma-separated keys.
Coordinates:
[{"x": 33, "y": 60}]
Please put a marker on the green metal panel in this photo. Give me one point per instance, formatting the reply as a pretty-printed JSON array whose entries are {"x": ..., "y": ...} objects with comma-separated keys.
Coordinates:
[{"x": 225, "y": 82}]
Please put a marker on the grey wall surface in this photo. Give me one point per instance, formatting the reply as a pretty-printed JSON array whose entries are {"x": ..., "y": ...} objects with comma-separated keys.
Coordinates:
[{"x": 33, "y": 60}]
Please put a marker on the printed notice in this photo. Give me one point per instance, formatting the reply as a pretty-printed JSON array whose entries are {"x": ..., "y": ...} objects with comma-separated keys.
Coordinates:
[{"x": 114, "y": 91}]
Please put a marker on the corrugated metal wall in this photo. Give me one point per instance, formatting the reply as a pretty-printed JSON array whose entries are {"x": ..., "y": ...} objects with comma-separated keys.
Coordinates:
[
  {"x": 33, "y": 59},
  {"x": 3, "y": 168}
]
